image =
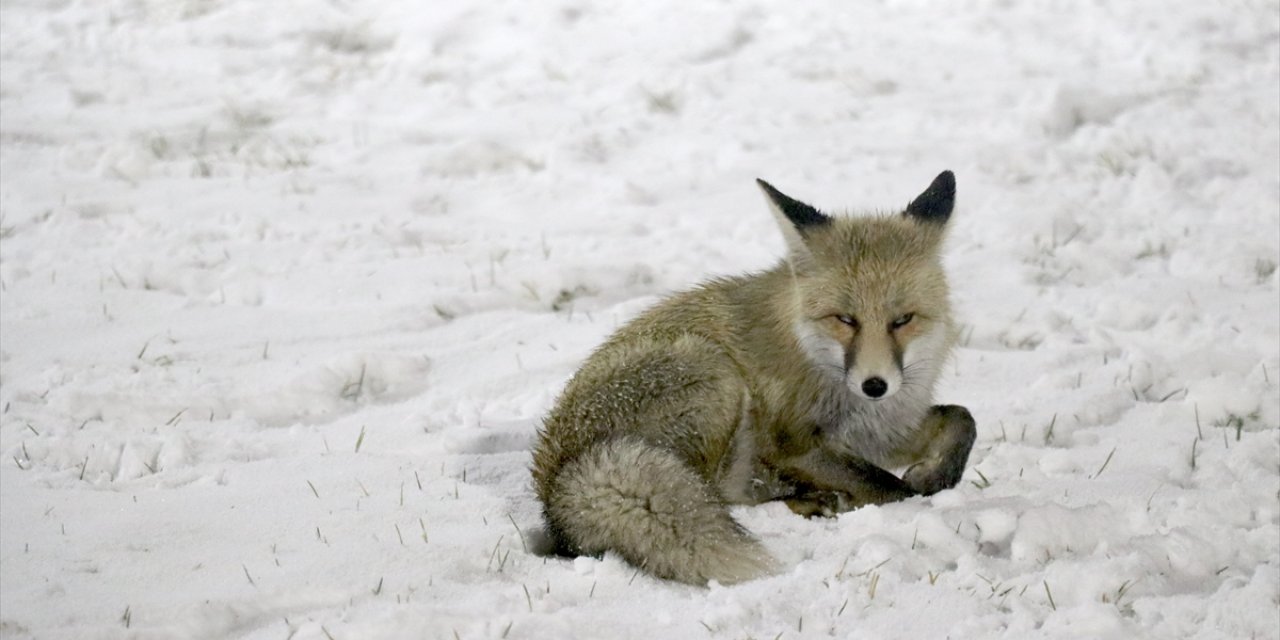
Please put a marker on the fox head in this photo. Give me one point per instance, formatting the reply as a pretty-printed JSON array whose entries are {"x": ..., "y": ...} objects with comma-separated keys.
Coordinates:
[{"x": 870, "y": 304}]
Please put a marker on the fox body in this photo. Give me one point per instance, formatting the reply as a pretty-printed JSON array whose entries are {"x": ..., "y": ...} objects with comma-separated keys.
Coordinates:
[{"x": 804, "y": 383}]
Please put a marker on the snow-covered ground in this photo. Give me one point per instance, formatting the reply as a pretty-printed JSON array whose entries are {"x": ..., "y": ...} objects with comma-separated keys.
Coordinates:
[{"x": 287, "y": 287}]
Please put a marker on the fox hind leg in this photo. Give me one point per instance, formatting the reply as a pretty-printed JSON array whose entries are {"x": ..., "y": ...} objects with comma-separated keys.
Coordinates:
[{"x": 947, "y": 436}]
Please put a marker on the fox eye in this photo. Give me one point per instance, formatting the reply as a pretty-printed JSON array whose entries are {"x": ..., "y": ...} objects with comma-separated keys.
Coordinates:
[
  {"x": 849, "y": 320},
  {"x": 903, "y": 320}
]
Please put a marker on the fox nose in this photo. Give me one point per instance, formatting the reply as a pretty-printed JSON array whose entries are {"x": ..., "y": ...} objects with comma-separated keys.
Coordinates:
[{"x": 875, "y": 387}]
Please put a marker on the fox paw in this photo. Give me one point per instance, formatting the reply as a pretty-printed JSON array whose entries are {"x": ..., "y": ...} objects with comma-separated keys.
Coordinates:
[
  {"x": 954, "y": 441},
  {"x": 932, "y": 476},
  {"x": 825, "y": 504}
]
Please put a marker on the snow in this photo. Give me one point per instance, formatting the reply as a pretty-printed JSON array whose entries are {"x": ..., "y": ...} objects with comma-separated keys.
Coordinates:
[{"x": 286, "y": 289}]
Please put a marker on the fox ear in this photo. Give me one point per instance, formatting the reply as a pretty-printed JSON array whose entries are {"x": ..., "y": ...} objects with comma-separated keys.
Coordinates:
[
  {"x": 795, "y": 218},
  {"x": 935, "y": 204}
]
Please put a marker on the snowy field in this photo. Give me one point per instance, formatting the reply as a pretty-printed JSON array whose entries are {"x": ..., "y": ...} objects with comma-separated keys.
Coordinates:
[{"x": 288, "y": 286}]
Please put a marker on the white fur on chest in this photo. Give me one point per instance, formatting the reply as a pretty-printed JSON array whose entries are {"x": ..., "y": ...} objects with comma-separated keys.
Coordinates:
[{"x": 875, "y": 431}]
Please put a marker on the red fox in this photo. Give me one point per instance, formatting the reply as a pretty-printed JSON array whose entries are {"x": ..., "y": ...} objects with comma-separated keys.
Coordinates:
[{"x": 804, "y": 383}]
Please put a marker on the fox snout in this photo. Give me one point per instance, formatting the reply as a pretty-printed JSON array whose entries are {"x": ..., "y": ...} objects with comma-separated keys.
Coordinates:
[
  {"x": 873, "y": 365},
  {"x": 875, "y": 387}
]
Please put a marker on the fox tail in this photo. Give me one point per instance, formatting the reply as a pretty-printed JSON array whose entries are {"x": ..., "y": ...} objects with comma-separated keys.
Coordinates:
[{"x": 644, "y": 503}]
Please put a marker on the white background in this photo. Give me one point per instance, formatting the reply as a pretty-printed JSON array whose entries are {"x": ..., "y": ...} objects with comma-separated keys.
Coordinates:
[{"x": 243, "y": 239}]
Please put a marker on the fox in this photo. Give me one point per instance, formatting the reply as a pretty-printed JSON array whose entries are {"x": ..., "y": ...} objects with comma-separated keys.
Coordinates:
[{"x": 806, "y": 383}]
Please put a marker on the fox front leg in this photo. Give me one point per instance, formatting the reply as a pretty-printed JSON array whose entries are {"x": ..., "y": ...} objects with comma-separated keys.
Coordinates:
[
  {"x": 813, "y": 503},
  {"x": 947, "y": 436},
  {"x": 827, "y": 483}
]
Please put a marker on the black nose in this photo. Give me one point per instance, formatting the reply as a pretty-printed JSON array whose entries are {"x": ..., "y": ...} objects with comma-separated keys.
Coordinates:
[{"x": 875, "y": 387}]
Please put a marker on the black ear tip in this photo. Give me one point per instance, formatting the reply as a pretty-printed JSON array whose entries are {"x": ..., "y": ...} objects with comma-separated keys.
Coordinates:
[
  {"x": 799, "y": 213},
  {"x": 772, "y": 193},
  {"x": 944, "y": 184},
  {"x": 936, "y": 203}
]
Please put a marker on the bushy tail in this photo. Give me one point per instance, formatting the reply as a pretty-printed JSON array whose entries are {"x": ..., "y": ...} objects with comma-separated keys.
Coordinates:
[{"x": 647, "y": 505}]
